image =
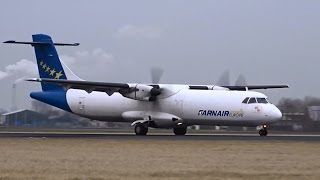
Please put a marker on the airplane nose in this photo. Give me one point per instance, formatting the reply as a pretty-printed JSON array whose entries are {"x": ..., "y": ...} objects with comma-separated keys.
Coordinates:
[{"x": 276, "y": 113}]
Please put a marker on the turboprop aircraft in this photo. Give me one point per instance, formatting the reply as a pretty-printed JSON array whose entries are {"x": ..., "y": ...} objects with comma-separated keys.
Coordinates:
[{"x": 173, "y": 106}]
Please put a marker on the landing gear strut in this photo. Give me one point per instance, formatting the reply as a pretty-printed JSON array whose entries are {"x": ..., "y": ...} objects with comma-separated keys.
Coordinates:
[
  {"x": 141, "y": 129},
  {"x": 180, "y": 131},
  {"x": 263, "y": 131}
]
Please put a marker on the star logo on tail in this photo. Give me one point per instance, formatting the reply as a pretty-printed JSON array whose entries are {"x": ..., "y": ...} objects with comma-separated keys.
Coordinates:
[
  {"x": 44, "y": 66},
  {"x": 58, "y": 75},
  {"x": 52, "y": 71}
]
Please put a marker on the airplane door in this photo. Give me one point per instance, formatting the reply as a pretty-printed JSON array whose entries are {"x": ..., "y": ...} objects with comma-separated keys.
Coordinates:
[{"x": 81, "y": 105}]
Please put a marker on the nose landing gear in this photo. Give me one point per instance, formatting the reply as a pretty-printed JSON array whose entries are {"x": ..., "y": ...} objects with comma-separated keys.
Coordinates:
[{"x": 263, "y": 131}]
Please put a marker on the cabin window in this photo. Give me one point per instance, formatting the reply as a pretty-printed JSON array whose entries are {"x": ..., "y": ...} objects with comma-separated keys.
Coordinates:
[
  {"x": 245, "y": 100},
  {"x": 252, "y": 100},
  {"x": 262, "y": 100}
]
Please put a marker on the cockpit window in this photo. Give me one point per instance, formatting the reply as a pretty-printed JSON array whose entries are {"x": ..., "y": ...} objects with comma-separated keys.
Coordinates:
[
  {"x": 245, "y": 100},
  {"x": 268, "y": 101},
  {"x": 252, "y": 100},
  {"x": 262, "y": 100}
]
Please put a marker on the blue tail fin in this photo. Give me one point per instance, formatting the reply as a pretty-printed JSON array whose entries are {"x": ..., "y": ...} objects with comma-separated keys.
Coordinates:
[{"x": 48, "y": 61}]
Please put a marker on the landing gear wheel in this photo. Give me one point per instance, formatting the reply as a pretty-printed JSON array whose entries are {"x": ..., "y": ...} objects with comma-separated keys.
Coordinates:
[
  {"x": 263, "y": 132},
  {"x": 141, "y": 129},
  {"x": 180, "y": 131}
]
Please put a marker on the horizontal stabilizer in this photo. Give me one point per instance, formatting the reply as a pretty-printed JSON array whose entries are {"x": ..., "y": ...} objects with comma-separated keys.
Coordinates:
[
  {"x": 41, "y": 43},
  {"x": 244, "y": 88}
]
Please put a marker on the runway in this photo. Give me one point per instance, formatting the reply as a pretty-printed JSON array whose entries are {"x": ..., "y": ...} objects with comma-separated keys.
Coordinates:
[{"x": 166, "y": 136}]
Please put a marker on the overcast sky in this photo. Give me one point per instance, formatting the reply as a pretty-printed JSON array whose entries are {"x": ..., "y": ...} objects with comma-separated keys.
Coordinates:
[{"x": 195, "y": 42}]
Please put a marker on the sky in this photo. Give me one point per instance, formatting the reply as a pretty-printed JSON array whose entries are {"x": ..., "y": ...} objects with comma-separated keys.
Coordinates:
[{"x": 195, "y": 42}]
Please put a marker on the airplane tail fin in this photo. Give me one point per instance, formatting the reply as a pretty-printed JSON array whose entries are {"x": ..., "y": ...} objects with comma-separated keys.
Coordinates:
[{"x": 49, "y": 64}]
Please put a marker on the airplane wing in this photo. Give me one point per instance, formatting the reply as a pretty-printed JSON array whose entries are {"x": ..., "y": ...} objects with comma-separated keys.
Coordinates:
[
  {"x": 88, "y": 86},
  {"x": 244, "y": 88},
  {"x": 127, "y": 89}
]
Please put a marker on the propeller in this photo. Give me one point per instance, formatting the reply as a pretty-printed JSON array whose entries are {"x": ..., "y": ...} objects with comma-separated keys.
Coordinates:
[
  {"x": 224, "y": 80},
  {"x": 241, "y": 81},
  {"x": 156, "y": 74}
]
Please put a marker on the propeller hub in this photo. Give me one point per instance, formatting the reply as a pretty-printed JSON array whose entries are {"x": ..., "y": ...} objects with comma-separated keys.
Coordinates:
[{"x": 155, "y": 92}]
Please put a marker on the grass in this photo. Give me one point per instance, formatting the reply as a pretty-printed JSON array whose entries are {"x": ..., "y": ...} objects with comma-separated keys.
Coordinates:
[{"x": 38, "y": 158}]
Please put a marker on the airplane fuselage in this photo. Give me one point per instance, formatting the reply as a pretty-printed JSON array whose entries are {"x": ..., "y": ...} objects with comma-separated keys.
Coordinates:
[{"x": 189, "y": 107}]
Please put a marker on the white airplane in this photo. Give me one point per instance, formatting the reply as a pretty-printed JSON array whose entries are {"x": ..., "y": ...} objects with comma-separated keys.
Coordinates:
[{"x": 149, "y": 105}]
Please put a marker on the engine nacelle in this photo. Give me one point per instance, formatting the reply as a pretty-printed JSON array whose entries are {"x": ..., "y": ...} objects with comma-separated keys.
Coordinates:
[{"x": 143, "y": 92}]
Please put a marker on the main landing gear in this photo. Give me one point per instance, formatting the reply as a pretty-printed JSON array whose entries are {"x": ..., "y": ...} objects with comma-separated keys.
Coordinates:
[
  {"x": 263, "y": 131},
  {"x": 180, "y": 131},
  {"x": 141, "y": 129}
]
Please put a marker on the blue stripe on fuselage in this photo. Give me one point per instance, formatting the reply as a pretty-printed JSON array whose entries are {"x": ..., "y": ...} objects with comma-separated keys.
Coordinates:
[{"x": 54, "y": 98}]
